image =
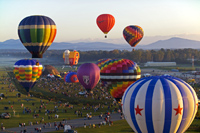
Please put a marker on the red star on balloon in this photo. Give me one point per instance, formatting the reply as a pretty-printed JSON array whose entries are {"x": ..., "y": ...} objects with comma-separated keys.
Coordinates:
[
  {"x": 138, "y": 110},
  {"x": 178, "y": 110}
]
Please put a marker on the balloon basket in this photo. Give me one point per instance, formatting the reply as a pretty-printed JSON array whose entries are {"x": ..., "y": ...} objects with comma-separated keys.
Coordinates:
[{"x": 35, "y": 55}]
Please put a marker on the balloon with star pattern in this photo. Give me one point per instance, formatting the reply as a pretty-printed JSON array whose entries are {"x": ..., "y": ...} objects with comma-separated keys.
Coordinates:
[{"x": 159, "y": 104}]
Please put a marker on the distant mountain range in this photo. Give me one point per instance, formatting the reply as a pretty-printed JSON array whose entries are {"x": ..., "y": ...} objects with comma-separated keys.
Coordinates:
[{"x": 172, "y": 43}]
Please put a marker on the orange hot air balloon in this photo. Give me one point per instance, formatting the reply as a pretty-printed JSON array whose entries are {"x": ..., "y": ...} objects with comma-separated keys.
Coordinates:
[{"x": 105, "y": 23}]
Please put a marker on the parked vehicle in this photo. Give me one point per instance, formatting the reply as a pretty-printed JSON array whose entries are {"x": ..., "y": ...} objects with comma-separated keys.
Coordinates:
[{"x": 6, "y": 115}]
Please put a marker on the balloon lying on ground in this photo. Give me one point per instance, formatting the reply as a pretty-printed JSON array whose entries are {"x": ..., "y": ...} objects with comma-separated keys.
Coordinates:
[
  {"x": 133, "y": 34},
  {"x": 65, "y": 76},
  {"x": 88, "y": 75},
  {"x": 71, "y": 77},
  {"x": 27, "y": 72},
  {"x": 118, "y": 74},
  {"x": 71, "y": 57},
  {"x": 37, "y": 33},
  {"x": 100, "y": 62},
  {"x": 159, "y": 104},
  {"x": 105, "y": 23}
]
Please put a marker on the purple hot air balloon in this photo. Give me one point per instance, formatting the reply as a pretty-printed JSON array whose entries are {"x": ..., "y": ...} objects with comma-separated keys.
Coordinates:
[{"x": 88, "y": 75}]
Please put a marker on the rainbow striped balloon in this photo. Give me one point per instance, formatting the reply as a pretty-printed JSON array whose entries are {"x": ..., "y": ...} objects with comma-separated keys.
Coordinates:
[
  {"x": 100, "y": 62},
  {"x": 118, "y": 74},
  {"x": 27, "y": 72},
  {"x": 37, "y": 33},
  {"x": 159, "y": 104},
  {"x": 133, "y": 34}
]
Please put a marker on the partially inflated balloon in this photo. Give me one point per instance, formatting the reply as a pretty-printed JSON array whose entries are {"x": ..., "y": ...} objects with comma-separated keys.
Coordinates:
[
  {"x": 159, "y": 104},
  {"x": 133, "y": 34},
  {"x": 71, "y": 77},
  {"x": 105, "y": 22},
  {"x": 27, "y": 72},
  {"x": 88, "y": 75},
  {"x": 37, "y": 33}
]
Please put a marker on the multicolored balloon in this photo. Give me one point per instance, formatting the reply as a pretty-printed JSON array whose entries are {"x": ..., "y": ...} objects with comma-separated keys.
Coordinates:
[
  {"x": 105, "y": 23},
  {"x": 37, "y": 33},
  {"x": 133, "y": 34},
  {"x": 118, "y": 74},
  {"x": 159, "y": 104},
  {"x": 100, "y": 62},
  {"x": 71, "y": 77},
  {"x": 88, "y": 75},
  {"x": 71, "y": 57},
  {"x": 27, "y": 72}
]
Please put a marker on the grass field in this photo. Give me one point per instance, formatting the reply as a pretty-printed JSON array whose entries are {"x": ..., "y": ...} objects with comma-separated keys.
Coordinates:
[
  {"x": 8, "y": 87},
  {"x": 20, "y": 116}
]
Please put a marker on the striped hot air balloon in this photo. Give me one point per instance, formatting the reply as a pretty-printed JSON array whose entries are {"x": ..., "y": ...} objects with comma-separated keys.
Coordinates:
[
  {"x": 133, "y": 34},
  {"x": 100, "y": 62},
  {"x": 37, "y": 33},
  {"x": 118, "y": 74},
  {"x": 161, "y": 104},
  {"x": 27, "y": 72}
]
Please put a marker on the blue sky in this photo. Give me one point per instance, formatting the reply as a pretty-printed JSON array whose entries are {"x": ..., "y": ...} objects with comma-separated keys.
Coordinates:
[{"x": 76, "y": 19}]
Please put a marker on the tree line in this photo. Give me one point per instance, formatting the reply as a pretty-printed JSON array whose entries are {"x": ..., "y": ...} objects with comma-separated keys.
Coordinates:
[{"x": 180, "y": 56}]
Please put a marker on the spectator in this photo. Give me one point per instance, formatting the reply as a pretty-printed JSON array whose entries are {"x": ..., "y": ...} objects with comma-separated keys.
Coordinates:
[{"x": 84, "y": 125}]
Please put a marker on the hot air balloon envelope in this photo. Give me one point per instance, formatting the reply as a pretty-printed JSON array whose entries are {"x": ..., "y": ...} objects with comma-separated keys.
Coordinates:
[
  {"x": 118, "y": 74},
  {"x": 27, "y": 72},
  {"x": 159, "y": 104},
  {"x": 88, "y": 75},
  {"x": 133, "y": 34},
  {"x": 71, "y": 57},
  {"x": 71, "y": 77},
  {"x": 105, "y": 22},
  {"x": 37, "y": 33}
]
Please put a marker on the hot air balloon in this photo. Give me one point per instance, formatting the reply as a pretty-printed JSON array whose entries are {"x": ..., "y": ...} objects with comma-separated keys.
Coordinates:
[
  {"x": 27, "y": 72},
  {"x": 118, "y": 74},
  {"x": 71, "y": 57},
  {"x": 159, "y": 104},
  {"x": 37, "y": 33},
  {"x": 100, "y": 62},
  {"x": 66, "y": 56},
  {"x": 133, "y": 34},
  {"x": 71, "y": 77},
  {"x": 105, "y": 23},
  {"x": 65, "y": 76},
  {"x": 88, "y": 75}
]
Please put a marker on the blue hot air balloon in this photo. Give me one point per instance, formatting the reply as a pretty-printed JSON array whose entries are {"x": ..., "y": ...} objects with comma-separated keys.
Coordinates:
[
  {"x": 71, "y": 77},
  {"x": 159, "y": 104}
]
